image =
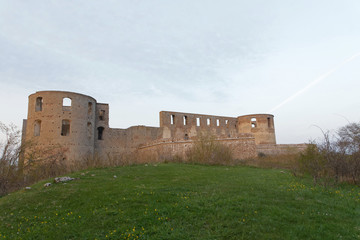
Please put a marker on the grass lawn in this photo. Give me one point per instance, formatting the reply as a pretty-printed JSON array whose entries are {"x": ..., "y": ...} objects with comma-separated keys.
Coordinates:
[{"x": 182, "y": 201}]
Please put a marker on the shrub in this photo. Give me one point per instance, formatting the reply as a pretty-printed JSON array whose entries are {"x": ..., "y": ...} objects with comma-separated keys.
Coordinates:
[
  {"x": 336, "y": 158},
  {"x": 22, "y": 164},
  {"x": 207, "y": 150}
]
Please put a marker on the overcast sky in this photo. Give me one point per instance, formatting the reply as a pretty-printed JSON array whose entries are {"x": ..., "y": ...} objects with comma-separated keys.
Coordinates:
[{"x": 296, "y": 59}]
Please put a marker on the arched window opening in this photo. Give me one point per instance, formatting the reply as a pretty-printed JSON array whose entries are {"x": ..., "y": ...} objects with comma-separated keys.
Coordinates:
[
  {"x": 38, "y": 104},
  {"x": 37, "y": 128},
  {"x": 186, "y": 137},
  {"x": 65, "y": 128},
  {"x": 66, "y": 104},
  {"x": 89, "y": 108},
  {"x": 100, "y": 133}
]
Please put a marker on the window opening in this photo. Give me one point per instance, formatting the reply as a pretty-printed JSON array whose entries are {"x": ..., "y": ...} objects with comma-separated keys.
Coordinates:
[
  {"x": 89, "y": 108},
  {"x": 186, "y": 136},
  {"x": 198, "y": 122},
  {"x": 185, "y": 120},
  {"x": 89, "y": 129},
  {"x": 102, "y": 115},
  {"x": 217, "y": 122},
  {"x": 100, "y": 133},
  {"x": 38, "y": 104},
  {"x": 269, "y": 122},
  {"x": 65, "y": 128},
  {"x": 226, "y": 122},
  {"x": 172, "y": 119},
  {"x": 253, "y": 122},
  {"x": 66, "y": 104},
  {"x": 208, "y": 121},
  {"x": 37, "y": 128}
]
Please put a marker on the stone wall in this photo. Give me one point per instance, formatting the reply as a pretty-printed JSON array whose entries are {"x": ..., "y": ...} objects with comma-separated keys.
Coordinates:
[
  {"x": 242, "y": 148},
  {"x": 81, "y": 125},
  {"x": 62, "y": 118},
  {"x": 279, "y": 149},
  {"x": 260, "y": 125},
  {"x": 185, "y": 126}
]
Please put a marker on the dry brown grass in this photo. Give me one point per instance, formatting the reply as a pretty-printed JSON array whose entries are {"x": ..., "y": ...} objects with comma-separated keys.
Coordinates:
[{"x": 284, "y": 161}]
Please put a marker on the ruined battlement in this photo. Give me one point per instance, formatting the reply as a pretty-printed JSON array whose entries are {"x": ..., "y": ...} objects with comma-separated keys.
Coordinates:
[{"x": 81, "y": 124}]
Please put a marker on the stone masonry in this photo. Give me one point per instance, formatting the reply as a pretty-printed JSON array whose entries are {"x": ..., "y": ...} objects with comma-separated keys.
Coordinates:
[{"x": 81, "y": 125}]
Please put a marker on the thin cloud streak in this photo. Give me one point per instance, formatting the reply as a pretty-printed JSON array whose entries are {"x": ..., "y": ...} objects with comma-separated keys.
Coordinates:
[{"x": 313, "y": 83}]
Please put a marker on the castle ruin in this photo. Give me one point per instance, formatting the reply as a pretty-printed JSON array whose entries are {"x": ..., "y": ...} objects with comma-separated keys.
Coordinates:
[{"x": 81, "y": 124}]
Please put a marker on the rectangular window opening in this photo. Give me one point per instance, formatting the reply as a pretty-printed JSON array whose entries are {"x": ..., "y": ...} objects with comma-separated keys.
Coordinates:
[
  {"x": 269, "y": 122},
  {"x": 37, "y": 128},
  {"x": 89, "y": 129},
  {"x": 102, "y": 115},
  {"x": 38, "y": 104},
  {"x": 65, "y": 128},
  {"x": 217, "y": 122},
  {"x": 198, "y": 122},
  {"x": 172, "y": 119},
  {"x": 208, "y": 121},
  {"x": 89, "y": 108},
  {"x": 100, "y": 133},
  {"x": 185, "y": 120}
]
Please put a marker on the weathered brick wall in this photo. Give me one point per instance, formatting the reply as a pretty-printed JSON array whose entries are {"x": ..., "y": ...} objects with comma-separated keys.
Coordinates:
[
  {"x": 44, "y": 125},
  {"x": 185, "y": 126},
  {"x": 89, "y": 133},
  {"x": 279, "y": 149},
  {"x": 242, "y": 148},
  {"x": 260, "y": 125},
  {"x": 119, "y": 141}
]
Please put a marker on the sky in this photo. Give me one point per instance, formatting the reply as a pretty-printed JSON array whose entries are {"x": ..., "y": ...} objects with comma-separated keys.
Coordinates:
[{"x": 297, "y": 60}]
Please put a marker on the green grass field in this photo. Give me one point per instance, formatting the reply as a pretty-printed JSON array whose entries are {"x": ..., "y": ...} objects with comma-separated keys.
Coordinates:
[{"x": 182, "y": 201}]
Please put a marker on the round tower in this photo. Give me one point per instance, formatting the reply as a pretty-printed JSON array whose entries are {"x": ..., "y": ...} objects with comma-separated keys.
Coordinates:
[
  {"x": 261, "y": 125},
  {"x": 62, "y": 118}
]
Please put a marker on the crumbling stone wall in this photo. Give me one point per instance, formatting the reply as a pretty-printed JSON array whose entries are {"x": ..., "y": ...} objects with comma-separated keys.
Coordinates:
[
  {"x": 62, "y": 118},
  {"x": 242, "y": 148},
  {"x": 280, "y": 149},
  {"x": 81, "y": 124},
  {"x": 176, "y": 125},
  {"x": 260, "y": 125}
]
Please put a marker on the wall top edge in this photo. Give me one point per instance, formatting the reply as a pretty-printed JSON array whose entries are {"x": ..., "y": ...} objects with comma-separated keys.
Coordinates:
[
  {"x": 198, "y": 114},
  {"x": 63, "y": 92},
  {"x": 257, "y": 114}
]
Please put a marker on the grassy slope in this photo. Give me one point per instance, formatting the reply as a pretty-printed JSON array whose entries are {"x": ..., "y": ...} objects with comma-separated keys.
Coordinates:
[{"x": 178, "y": 201}]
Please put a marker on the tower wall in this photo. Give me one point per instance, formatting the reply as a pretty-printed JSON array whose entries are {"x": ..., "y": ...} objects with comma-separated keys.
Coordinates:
[
  {"x": 261, "y": 125},
  {"x": 70, "y": 123}
]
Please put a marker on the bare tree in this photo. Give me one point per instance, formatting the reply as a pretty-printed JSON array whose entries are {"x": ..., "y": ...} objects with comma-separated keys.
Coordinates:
[
  {"x": 336, "y": 158},
  {"x": 25, "y": 163},
  {"x": 10, "y": 149}
]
